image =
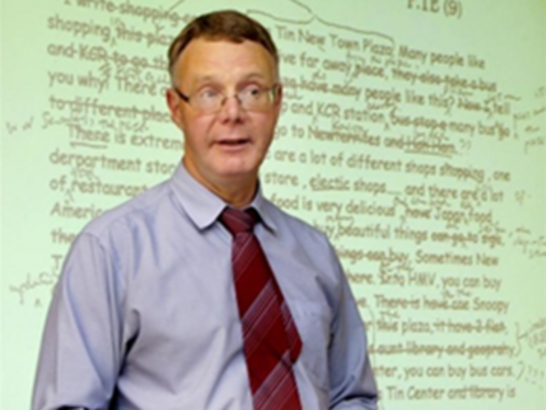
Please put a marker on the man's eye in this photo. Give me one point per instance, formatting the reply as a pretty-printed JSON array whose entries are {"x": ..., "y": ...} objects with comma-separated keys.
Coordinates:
[
  {"x": 208, "y": 93},
  {"x": 253, "y": 91}
]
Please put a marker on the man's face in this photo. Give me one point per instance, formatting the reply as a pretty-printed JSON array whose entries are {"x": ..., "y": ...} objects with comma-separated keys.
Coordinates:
[{"x": 224, "y": 148}]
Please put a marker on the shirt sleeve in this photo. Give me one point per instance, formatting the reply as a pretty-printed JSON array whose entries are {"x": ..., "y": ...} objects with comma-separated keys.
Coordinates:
[
  {"x": 352, "y": 384},
  {"x": 81, "y": 348}
]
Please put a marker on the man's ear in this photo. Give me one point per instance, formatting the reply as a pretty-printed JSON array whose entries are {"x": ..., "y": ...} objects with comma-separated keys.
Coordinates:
[
  {"x": 173, "y": 103},
  {"x": 278, "y": 99}
]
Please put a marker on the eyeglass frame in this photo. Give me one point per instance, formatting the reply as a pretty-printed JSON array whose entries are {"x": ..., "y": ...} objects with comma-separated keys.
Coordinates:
[{"x": 272, "y": 91}]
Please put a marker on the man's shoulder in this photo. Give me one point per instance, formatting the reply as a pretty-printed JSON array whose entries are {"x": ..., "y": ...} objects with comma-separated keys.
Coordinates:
[{"x": 143, "y": 206}]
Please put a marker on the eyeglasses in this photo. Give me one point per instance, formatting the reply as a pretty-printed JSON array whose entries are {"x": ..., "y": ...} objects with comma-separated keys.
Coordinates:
[{"x": 250, "y": 98}]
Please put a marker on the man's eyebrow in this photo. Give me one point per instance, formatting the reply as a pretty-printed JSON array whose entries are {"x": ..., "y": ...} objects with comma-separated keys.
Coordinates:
[
  {"x": 255, "y": 77},
  {"x": 200, "y": 80},
  {"x": 211, "y": 79}
]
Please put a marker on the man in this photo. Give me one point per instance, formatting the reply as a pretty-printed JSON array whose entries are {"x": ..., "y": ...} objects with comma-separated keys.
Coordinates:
[{"x": 147, "y": 314}]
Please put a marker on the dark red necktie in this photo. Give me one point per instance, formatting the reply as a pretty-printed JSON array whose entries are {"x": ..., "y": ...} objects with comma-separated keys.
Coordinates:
[{"x": 270, "y": 339}]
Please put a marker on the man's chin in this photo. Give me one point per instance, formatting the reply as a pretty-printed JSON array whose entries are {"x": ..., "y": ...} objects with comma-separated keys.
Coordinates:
[{"x": 236, "y": 167}]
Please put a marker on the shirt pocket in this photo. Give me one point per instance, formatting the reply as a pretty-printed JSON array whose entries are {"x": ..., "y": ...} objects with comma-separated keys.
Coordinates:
[{"x": 313, "y": 323}]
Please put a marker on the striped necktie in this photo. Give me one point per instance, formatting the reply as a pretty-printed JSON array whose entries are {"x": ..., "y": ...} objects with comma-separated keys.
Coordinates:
[{"x": 271, "y": 341}]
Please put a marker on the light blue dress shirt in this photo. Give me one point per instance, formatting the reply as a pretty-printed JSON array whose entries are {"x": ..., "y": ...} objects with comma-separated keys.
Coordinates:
[{"x": 144, "y": 316}]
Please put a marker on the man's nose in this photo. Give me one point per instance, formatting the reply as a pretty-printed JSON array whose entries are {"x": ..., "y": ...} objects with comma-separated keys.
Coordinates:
[{"x": 231, "y": 109}]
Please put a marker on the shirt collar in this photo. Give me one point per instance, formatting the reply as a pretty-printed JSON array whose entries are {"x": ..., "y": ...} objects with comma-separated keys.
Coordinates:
[{"x": 203, "y": 207}]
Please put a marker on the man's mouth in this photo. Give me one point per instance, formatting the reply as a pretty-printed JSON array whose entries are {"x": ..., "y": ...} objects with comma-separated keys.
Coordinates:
[{"x": 233, "y": 142}]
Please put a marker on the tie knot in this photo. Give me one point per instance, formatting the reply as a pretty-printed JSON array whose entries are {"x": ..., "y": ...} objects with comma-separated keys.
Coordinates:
[{"x": 239, "y": 221}]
